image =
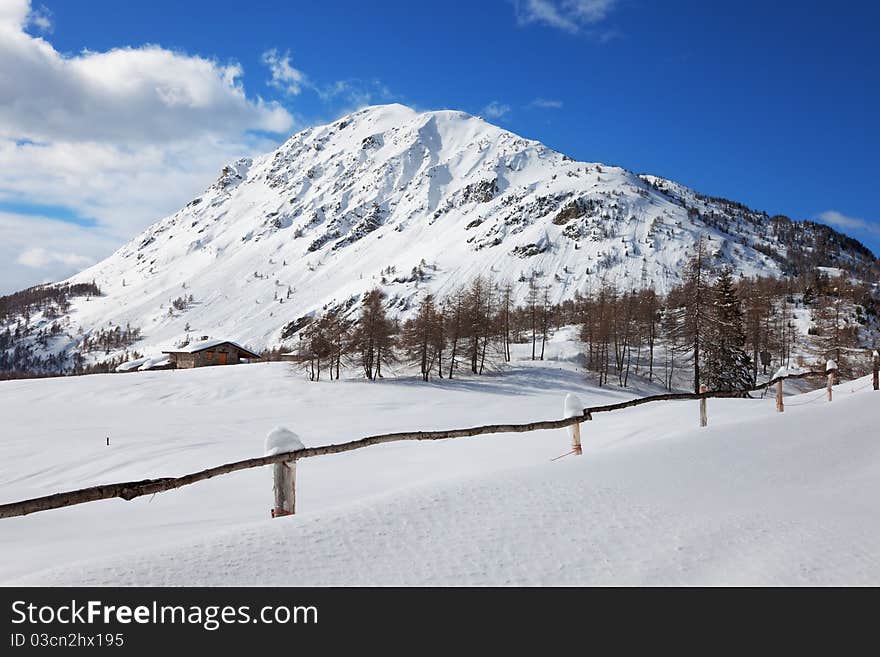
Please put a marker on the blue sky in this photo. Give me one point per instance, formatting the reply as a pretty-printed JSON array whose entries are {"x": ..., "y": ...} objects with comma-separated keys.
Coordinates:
[{"x": 770, "y": 104}]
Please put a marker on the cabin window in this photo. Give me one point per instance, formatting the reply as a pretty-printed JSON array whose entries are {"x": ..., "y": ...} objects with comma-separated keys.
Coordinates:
[{"x": 210, "y": 355}]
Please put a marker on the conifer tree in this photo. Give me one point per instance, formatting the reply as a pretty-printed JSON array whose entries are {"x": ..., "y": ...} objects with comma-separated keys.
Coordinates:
[{"x": 728, "y": 367}]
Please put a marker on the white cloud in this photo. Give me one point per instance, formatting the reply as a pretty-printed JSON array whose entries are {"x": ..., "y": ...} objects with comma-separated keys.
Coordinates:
[
  {"x": 284, "y": 76},
  {"x": 355, "y": 93},
  {"x": 123, "y": 187},
  {"x": 568, "y": 15},
  {"x": 495, "y": 110},
  {"x": 146, "y": 94},
  {"x": 347, "y": 95},
  {"x": 124, "y": 137},
  {"x": 545, "y": 103},
  {"x": 39, "y": 258},
  {"x": 38, "y": 249},
  {"x": 844, "y": 222},
  {"x": 41, "y": 18},
  {"x": 14, "y": 13}
]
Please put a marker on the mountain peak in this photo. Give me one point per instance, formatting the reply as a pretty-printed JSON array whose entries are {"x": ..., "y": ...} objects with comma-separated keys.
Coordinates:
[
  {"x": 414, "y": 202},
  {"x": 387, "y": 112}
]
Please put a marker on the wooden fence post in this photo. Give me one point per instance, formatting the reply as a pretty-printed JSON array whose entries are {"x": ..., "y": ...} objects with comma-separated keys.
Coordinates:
[
  {"x": 780, "y": 403},
  {"x": 281, "y": 441},
  {"x": 573, "y": 407},
  {"x": 576, "y": 448},
  {"x": 876, "y": 370},
  {"x": 704, "y": 416},
  {"x": 831, "y": 369},
  {"x": 285, "y": 489}
]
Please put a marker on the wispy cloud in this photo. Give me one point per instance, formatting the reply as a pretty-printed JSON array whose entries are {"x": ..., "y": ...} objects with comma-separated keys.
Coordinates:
[
  {"x": 568, "y": 15},
  {"x": 495, "y": 110},
  {"x": 40, "y": 258},
  {"x": 546, "y": 103},
  {"x": 285, "y": 77},
  {"x": 36, "y": 249},
  {"x": 355, "y": 93},
  {"x": 345, "y": 95},
  {"x": 41, "y": 18},
  {"x": 842, "y": 221}
]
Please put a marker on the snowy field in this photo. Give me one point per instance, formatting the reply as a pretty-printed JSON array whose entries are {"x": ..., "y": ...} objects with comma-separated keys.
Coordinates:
[{"x": 755, "y": 498}]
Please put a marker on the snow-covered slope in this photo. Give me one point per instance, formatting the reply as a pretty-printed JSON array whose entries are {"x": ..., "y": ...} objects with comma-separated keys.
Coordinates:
[
  {"x": 409, "y": 202},
  {"x": 757, "y": 497}
]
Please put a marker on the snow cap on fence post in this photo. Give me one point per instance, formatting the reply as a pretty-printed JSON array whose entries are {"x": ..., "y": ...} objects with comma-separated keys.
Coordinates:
[
  {"x": 280, "y": 441},
  {"x": 831, "y": 365},
  {"x": 574, "y": 407}
]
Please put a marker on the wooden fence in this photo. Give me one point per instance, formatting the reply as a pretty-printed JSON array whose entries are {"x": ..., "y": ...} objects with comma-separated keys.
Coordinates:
[{"x": 284, "y": 498}]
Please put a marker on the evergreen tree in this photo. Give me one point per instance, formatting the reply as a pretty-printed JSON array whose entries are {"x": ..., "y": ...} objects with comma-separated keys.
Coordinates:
[{"x": 727, "y": 366}]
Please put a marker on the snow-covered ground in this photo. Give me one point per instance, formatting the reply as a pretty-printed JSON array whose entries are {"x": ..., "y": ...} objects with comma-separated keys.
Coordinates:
[{"x": 755, "y": 498}]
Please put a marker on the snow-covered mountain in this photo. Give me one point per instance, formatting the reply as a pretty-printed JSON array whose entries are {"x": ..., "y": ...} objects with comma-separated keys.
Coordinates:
[{"x": 413, "y": 202}]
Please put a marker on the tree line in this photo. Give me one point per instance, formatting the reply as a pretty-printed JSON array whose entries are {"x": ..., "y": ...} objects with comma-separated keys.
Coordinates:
[
  {"x": 54, "y": 300},
  {"x": 713, "y": 328},
  {"x": 720, "y": 331}
]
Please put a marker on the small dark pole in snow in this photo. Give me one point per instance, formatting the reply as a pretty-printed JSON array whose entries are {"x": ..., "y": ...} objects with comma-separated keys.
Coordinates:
[
  {"x": 780, "y": 403},
  {"x": 831, "y": 369},
  {"x": 108, "y": 441},
  {"x": 704, "y": 416},
  {"x": 876, "y": 370}
]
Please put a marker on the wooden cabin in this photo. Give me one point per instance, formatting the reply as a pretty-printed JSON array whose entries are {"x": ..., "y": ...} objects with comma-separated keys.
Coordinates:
[{"x": 210, "y": 352}]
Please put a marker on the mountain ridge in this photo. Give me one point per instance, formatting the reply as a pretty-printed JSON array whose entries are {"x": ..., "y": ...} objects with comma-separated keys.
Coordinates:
[{"x": 413, "y": 202}]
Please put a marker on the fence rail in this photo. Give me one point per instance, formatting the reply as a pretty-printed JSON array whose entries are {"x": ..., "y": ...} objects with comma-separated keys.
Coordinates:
[{"x": 129, "y": 490}]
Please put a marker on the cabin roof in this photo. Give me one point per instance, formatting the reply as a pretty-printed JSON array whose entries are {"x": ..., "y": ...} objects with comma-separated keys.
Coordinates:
[{"x": 204, "y": 345}]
